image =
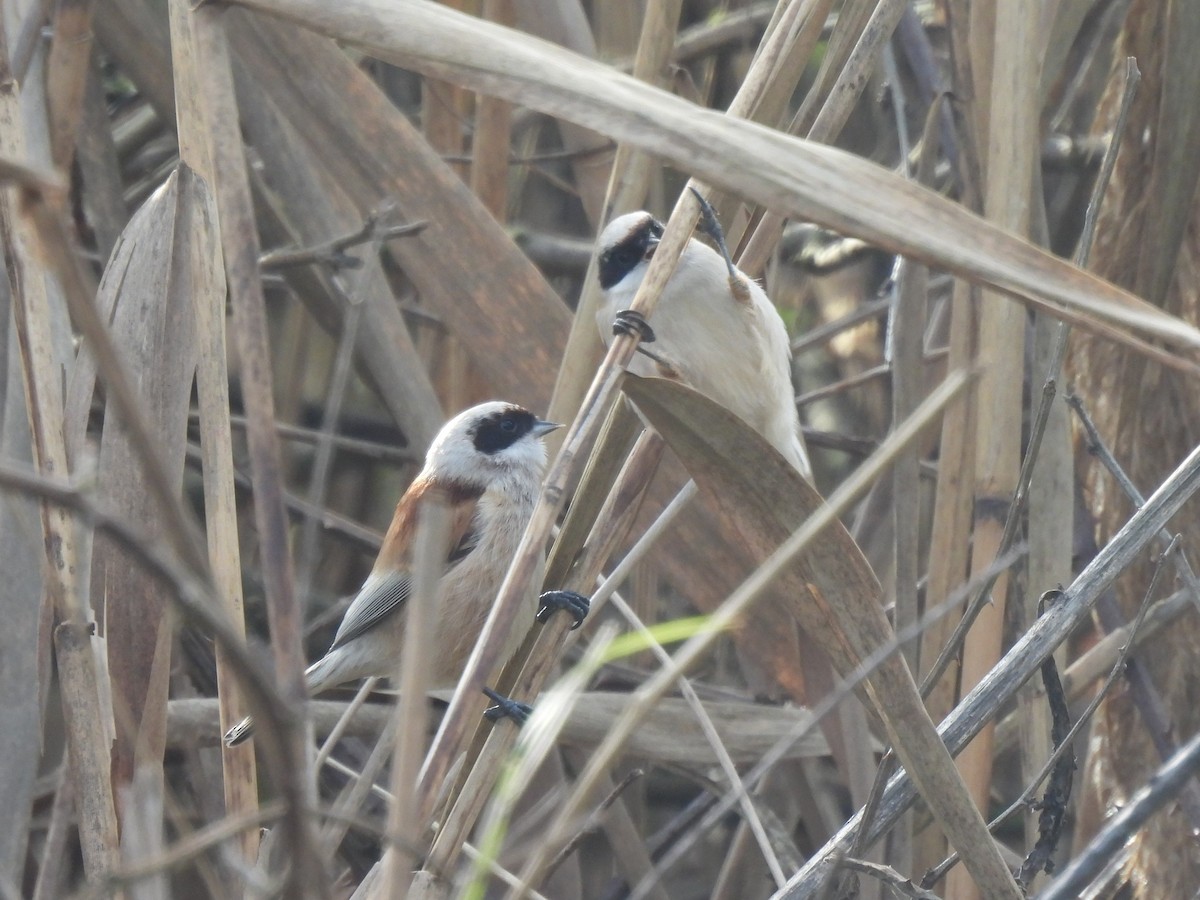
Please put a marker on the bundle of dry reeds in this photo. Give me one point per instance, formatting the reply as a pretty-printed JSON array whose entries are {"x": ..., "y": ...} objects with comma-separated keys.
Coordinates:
[{"x": 258, "y": 251}]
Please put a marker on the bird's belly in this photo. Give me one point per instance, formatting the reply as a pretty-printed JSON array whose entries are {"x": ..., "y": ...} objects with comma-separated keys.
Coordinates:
[{"x": 723, "y": 362}]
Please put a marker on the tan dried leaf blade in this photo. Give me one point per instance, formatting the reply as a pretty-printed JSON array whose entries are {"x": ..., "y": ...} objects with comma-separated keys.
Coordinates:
[
  {"x": 803, "y": 179},
  {"x": 165, "y": 253},
  {"x": 836, "y": 595}
]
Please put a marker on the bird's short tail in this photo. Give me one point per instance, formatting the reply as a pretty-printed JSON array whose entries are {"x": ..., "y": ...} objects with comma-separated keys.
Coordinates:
[{"x": 239, "y": 732}]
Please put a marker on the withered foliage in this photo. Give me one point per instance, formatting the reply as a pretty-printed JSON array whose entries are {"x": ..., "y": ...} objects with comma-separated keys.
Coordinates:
[{"x": 256, "y": 252}]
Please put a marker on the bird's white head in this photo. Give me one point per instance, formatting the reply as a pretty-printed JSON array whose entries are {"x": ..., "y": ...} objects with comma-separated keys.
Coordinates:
[
  {"x": 488, "y": 442},
  {"x": 625, "y": 247}
]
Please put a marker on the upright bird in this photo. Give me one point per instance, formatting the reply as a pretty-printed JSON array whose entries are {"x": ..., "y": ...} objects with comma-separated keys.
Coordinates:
[
  {"x": 714, "y": 328},
  {"x": 486, "y": 466}
]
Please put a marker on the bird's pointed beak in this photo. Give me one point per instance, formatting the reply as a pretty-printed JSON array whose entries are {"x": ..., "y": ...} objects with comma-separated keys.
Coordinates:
[
  {"x": 541, "y": 427},
  {"x": 651, "y": 246}
]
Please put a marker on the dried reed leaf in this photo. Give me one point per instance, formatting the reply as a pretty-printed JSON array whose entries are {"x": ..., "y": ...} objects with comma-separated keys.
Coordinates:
[
  {"x": 146, "y": 293},
  {"x": 209, "y": 291},
  {"x": 764, "y": 506},
  {"x": 40, "y": 327},
  {"x": 810, "y": 181},
  {"x": 769, "y": 500},
  {"x": 464, "y": 265}
]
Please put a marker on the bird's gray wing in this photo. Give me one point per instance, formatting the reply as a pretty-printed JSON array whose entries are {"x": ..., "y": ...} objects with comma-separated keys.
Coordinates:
[
  {"x": 468, "y": 542},
  {"x": 383, "y": 594},
  {"x": 380, "y": 597}
]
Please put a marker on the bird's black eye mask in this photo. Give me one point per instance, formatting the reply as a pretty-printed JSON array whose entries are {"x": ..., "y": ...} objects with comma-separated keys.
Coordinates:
[
  {"x": 618, "y": 261},
  {"x": 501, "y": 430}
]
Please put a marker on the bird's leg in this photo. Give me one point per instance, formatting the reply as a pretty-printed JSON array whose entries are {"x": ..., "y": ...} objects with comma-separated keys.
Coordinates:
[
  {"x": 506, "y": 708},
  {"x": 575, "y": 605},
  {"x": 630, "y": 321},
  {"x": 711, "y": 227},
  {"x": 665, "y": 367}
]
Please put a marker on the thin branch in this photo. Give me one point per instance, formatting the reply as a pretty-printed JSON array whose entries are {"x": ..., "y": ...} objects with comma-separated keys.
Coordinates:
[
  {"x": 882, "y": 371},
  {"x": 332, "y": 252},
  {"x": 1009, "y": 536},
  {"x": 332, "y": 411},
  {"x": 1097, "y": 447},
  {"x": 367, "y": 538},
  {"x": 1057, "y": 795},
  {"x": 1145, "y": 695},
  {"x": 822, "y": 334},
  {"x": 902, "y": 886},
  {"x": 736, "y": 784},
  {"x": 373, "y": 450},
  {"x": 1162, "y": 788},
  {"x": 592, "y": 822}
]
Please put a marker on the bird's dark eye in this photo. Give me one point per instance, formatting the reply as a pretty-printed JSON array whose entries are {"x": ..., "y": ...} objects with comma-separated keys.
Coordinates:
[
  {"x": 626, "y": 257},
  {"x": 617, "y": 262},
  {"x": 503, "y": 430}
]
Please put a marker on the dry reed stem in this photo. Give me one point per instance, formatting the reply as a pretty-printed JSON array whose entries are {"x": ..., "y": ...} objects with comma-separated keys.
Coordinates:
[
  {"x": 67, "y": 68},
  {"x": 628, "y": 181},
  {"x": 1161, "y": 789},
  {"x": 708, "y": 728},
  {"x": 536, "y": 741},
  {"x": 195, "y": 602},
  {"x": 541, "y": 660},
  {"x": 240, "y": 782},
  {"x": 240, "y": 775},
  {"x": 862, "y": 31},
  {"x": 492, "y": 136},
  {"x": 1064, "y": 746},
  {"x": 239, "y": 240},
  {"x": 83, "y": 689},
  {"x": 907, "y": 325},
  {"x": 331, "y": 414},
  {"x": 222, "y": 163},
  {"x": 1011, "y": 136},
  {"x": 1051, "y": 500},
  {"x": 772, "y": 757},
  {"x": 467, "y": 703},
  {"x": 1080, "y": 676},
  {"x": 835, "y": 597},
  {"x": 405, "y": 828}
]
